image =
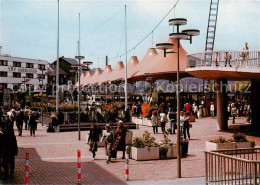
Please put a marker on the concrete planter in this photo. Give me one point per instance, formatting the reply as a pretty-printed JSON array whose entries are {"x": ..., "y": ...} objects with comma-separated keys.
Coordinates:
[
  {"x": 244, "y": 145},
  {"x": 149, "y": 123},
  {"x": 137, "y": 121},
  {"x": 129, "y": 137},
  {"x": 142, "y": 154},
  {"x": 172, "y": 152},
  {"x": 145, "y": 121},
  {"x": 219, "y": 146}
]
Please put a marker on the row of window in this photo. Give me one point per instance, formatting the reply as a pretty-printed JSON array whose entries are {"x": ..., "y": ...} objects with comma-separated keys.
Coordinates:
[
  {"x": 18, "y": 75},
  {"x": 18, "y": 64}
]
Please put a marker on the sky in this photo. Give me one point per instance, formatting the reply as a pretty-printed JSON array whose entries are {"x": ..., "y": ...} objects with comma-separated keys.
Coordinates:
[{"x": 28, "y": 28}]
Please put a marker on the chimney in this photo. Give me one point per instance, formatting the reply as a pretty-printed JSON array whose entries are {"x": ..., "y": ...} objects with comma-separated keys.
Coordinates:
[{"x": 106, "y": 60}]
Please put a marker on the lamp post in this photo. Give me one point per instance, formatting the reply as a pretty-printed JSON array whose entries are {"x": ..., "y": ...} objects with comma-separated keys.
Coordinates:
[
  {"x": 24, "y": 82},
  {"x": 78, "y": 68},
  {"x": 185, "y": 35},
  {"x": 41, "y": 77}
]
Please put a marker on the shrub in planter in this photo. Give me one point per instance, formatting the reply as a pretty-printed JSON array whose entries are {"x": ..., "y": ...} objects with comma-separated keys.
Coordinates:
[
  {"x": 241, "y": 141},
  {"x": 145, "y": 148},
  {"x": 219, "y": 144},
  {"x": 167, "y": 148}
]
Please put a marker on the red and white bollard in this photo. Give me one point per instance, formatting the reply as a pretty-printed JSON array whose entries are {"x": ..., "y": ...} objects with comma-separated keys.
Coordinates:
[
  {"x": 79, "y": 167},
  {"x": 27, "y": 169},
  {"x": 127, "y": 163}
]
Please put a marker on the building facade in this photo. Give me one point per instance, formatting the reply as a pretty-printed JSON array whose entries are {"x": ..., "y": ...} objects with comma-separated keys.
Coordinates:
[{"x": 19, "y": 74}]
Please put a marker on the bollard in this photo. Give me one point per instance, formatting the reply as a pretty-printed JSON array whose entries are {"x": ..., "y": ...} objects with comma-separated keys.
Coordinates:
[
  {"x": 127, "y": 163},
  {"x": 27, "y": 169},
  {"x": 79, "y": 167}
]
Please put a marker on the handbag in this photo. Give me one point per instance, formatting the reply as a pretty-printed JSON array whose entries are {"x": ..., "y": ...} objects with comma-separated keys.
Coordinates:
[{"x": 190, "y": 125}]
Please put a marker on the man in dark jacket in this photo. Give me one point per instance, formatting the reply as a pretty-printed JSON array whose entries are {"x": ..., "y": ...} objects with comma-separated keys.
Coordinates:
[
  {"x": 10, "y": 150},
  {"x": 19, "y": 121},
  {"x": 1, "y": 148},
  {"x": 32, "y": 123}
]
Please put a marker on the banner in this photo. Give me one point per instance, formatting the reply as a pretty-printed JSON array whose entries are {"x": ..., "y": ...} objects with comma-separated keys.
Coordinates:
[{"x": 145, "y": 109}]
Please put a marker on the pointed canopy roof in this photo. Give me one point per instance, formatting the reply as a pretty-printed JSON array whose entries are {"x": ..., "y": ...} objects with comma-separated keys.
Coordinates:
[
  {"x": 150, "y": 54},
  {"x": 115, "y": 74},
  {"x": 103, "y": 76},
  {"x": 161, "y": 67},
  {"x": 94, "y": 77},
  {"x": 131, "y": 69},
  {"x": 86, "y": 78}
]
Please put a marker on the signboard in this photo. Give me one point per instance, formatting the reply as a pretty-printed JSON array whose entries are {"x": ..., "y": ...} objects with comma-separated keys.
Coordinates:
[
  {"x": 22, "y": 70},
  {"x": 145, "y": 109}
]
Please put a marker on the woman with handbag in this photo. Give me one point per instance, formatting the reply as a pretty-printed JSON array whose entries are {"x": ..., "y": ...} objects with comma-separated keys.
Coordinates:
[
  {"x": 186, "y": 126},
  {"x": 154, "y": 120}
]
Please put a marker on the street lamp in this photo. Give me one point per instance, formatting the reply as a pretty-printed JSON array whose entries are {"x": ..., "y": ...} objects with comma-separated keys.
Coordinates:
[
  {"x": 184, "y": 35},
  {"x": 24, "y": 82},
  {"x": 78, "y": 68}
]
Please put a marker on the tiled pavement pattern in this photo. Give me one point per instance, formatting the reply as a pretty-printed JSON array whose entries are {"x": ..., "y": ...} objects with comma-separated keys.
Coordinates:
[{"x": 53, "y": 159}]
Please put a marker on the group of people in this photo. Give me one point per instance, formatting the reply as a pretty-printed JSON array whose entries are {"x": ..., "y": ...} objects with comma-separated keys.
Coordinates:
[
  {"x": 162, "y": 117},
  {"x": 21, "y": 117},
  {"x": 115, "y": 140},
  {"x": 244, "y": 57}
]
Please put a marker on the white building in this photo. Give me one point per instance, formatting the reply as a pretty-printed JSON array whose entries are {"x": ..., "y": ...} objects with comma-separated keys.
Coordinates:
[{"x": 14, "y": 71}]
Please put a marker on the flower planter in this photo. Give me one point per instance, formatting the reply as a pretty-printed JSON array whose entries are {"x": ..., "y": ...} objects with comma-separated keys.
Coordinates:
[
  {"x": 243, "y": 145},
  {"x": 142, "y": 154},
  {"x": 172, "y": 152},
  {"x": 219, "y": 146}
]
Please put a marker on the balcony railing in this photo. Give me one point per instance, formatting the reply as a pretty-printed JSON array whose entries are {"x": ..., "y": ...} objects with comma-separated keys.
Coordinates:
[
  {"x": 243, "y": 58},
  {"x": 240, "y": 166}
]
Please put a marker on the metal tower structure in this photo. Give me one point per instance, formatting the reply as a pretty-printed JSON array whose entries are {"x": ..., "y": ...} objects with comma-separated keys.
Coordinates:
[{"x": 212, "y": 24}]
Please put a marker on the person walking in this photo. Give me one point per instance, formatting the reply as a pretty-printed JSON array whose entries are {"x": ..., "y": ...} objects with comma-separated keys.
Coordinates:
[
  {"x": 10, "y": 150},
  {"x": 26, "y": 117},
  {"x": 32, "y": 122},
  {"x": 19, "y": 121},
  {"x": 172, "y": 118},
  {"x": 12, "y": 117},
  {"x": 54, "y": 122},
  {"x": 212, "y": 109},
  {"x": 108, "y": 138},
  {"x": 163, "y": 119},
  {"x": 93, "y": 140},
  {"x": 233, "y": 112},
  {"x": 120, "y": 138},
  {"x": 154, "y": 120},
  {"x": 186, "y": 126}
]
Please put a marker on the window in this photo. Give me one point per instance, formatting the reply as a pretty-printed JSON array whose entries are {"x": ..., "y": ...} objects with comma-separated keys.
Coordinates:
[
  {"x": 29, "y": 65},
  {"x": 41, "y": 66},
  {"x": 3, "y": 74},
  {"x": 3, "y": 62},
  {"x": 17, "y": 64},
  {"x": 17, "y": 75},
  {"x": 29, "y": 75},
  {"x": 41, "y": 76}
]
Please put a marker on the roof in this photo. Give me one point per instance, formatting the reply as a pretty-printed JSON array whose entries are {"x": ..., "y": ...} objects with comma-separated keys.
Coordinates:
[
  {"x": 71, "y": 61},
  {"x": 93, "y": 77},
  {"x": 106, "y": 73},
  {"x": 51, "y": 70},
  {"x": 25, "y": 60},
  {"x": 116, "y": 73},
  {"x": 161, "y": 67}
]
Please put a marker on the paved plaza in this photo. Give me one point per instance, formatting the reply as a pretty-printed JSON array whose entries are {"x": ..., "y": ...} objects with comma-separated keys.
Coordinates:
[{"x": 53, "y": 159}]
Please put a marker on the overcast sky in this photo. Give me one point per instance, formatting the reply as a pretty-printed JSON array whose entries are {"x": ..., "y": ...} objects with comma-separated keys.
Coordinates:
[{"x": 29, "y": 27}]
